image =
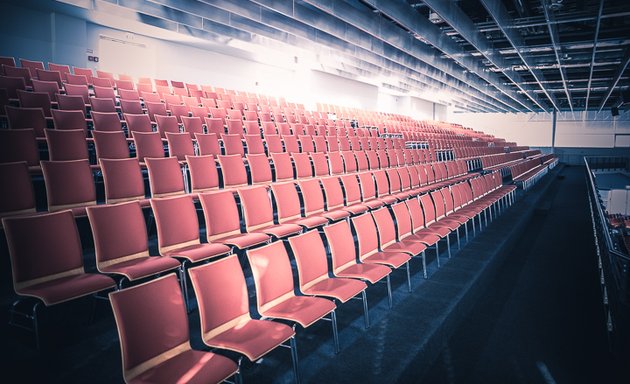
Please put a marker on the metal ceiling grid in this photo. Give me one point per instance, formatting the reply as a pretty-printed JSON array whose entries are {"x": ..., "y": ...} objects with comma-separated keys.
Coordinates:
[{"x": 489, "y": 55}]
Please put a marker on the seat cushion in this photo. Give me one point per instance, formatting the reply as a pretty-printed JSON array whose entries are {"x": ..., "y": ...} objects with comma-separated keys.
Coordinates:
[
  {"x": 192, "y": 367},
  {"x": 393, "y": 259},
  {"x": 450, "y": 223},
  {"x": 198, "y": 252},
  {"x": 439, "y": 229},
  {"x": 309, "y": 222},
  {"x": 369, "y": 272},
  {"x": 281, "y": 230},
  {"x": 388, "y": 199},
  {"x": 340, "y": 288},
  {"x": 410, "y": 247},
  {"x": 424, "y": 236},
  {"x": 68, "y": 288},
  {"x": 142, "y": 267},
  {"x": 356, "y": 209},
  {"x": 374, "y": 204},
  {"x": 335, "y": 215},
  {"x": 253, "y": 338},
  {"x": 245, "y": 240},
  {"x": 304, "y": 310}
]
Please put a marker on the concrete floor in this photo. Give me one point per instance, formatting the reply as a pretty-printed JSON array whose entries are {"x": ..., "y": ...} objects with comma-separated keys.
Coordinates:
[{"x": 541, "y": 319}]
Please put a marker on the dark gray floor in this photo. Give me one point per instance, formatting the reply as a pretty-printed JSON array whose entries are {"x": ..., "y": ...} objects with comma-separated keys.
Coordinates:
[
  {"x": 509, "y": 307},
  {"x": 541, "y": 319}
]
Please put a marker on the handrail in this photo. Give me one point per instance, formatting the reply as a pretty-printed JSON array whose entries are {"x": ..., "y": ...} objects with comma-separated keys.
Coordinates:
[
  {"x": 600, "y": 211},
  {"x": 612, "y": 264}
]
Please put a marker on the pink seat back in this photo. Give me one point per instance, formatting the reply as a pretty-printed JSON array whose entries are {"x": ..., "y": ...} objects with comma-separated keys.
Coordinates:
[
  {"x": 112, "y": 222},
  {"x": 165, "y": 176},
  {"x": 143, "y": 313},
  {"x": 341, "y": 243},
  {"x": 43, "y": 247},
  {"x": 257, "y": 210},
  {"x": 221, "y": 293},
  {"x": 66, "y": 145},
  {"x": 272, "y": 274},
  {"x": 176, "y": 221},
  {"x": 310, "y": 258},
  {"x": 203, "y": 173},
  {"x": 122, "y": 179},
  {"x": 221, "y": 214}
]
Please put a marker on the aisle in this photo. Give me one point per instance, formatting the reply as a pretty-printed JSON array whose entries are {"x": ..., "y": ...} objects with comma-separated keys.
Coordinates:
[{"x": 542, "y": 319}]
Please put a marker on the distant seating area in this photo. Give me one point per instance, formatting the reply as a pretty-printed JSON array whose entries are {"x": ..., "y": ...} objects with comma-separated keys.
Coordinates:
[{"x": 145, "y": 160}]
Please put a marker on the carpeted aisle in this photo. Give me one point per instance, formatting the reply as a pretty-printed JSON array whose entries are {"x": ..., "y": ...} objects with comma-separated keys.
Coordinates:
[{"x": 541, "y": 320}]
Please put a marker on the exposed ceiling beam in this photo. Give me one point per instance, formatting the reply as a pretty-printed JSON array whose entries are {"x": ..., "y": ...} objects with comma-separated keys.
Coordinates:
[
  {"x": 616, "y": 78},
  {"x": 615, "y": 42},
  {"x": 259, "y": 22},
  {"x": 540, "y": 21},
  {"x": 406, "y": 16},
  {"x": 294, "y": 22},
  {"x": 503, "y": 19},
  {"x": 389, "y": 35},
  {"x": 590, "y": 75},
  {"x": 298, "y": 20},
  {"x": 453, "y": 15},
  {"x": 555, "y": 41}
]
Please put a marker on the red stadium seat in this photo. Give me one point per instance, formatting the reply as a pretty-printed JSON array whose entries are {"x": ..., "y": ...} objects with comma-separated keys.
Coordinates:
[
  {"x": 274, "y": 290},
  {"x": 224, "y": 313},
  {"x": 47, "y": 261},
  {"x": 142, "y": 314}
]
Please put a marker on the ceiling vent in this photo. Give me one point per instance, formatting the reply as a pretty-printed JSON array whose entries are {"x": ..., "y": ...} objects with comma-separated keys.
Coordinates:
[
  {"x": 435, "y": 18},
  {"x": 556, "y": 5}
]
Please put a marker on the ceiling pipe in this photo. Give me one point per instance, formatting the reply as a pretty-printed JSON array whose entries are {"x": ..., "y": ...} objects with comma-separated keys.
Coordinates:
[
  {"x": 616, "y": 78},
  {"x": 457, "y": 19},
  {"x": 555, "y": 41},
  {"x": 388, "y": 35},
  {"x": 590, "y": 76},
  {"x": 501, "y": 16},
  {"x": 427, "y": 31},
  {"x": 260, "y": 21}
]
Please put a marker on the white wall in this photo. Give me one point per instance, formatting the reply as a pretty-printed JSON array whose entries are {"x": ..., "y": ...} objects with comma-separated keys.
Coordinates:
[
  {"x": 535, "y": 129},
  {"x": 512, "y": 127},
  {"x": 41, "y": 35},
  {"x": 332, "y": 89},
  {"x": 176, "y": 61}
]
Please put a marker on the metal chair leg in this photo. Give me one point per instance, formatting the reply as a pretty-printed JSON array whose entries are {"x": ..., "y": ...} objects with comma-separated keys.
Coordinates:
[
  {"x": 437, "y": 252},
  {"x": 333, "y": 320},
  {"x": 448, "y": 244},
  {"x": 184, "y": 284},
  {"x": 389, "y": 292},
  {"x": 294, "y": 360},
  {"x": 424, "y": 264},
  {"x": 366, "y": 313},
  {"x": 238, "y": 378},
  {"x": 459, "y": 244},
  {"x": 408, "y": 277},
  {"x": 36, "y": 324}
]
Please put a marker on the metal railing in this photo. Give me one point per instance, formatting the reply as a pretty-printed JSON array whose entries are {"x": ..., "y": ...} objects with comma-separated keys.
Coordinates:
[
  {"x": 607, "y": 162},
  {"x": 613, "y": 264}
]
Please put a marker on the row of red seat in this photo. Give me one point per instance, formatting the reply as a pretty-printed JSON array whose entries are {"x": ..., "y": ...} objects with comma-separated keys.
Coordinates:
[
  {"x": 527, "y": 172},
  {"x": 372, "y": 213},
  {"x": 52, "y": 254},
  {"x": 500, "y": 160},
  {"x": 70, "y": 183},
  {"x": 61, "y": 145},
  {"x": 63, "y": 74}
]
